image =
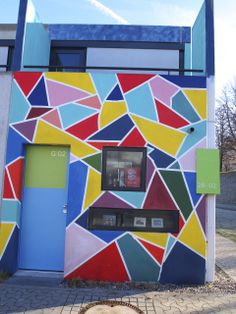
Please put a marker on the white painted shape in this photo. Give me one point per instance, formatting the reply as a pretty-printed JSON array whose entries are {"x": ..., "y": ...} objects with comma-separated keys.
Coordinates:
[
  {"x": 141, "y": 58},
  {"x": 80, "y": 245},
  {"x": 211, "y": 199}
]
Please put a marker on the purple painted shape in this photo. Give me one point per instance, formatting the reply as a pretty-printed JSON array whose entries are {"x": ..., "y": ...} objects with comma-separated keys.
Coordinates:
[
  {"x": 188, "y": 161},
  {"x": 80, "y": 245},
  {"x": 61, "y": 94},
  {"x": 201, "y": 212},
  {"x": 150, "y": 170},
  {"x": 26, "y": 128},
  {"x": 110, "y": 200},
  {"x": 163, "y": 90}
]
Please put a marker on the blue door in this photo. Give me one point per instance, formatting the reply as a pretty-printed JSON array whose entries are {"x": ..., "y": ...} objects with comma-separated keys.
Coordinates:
[{"x": 43, "y": 215}]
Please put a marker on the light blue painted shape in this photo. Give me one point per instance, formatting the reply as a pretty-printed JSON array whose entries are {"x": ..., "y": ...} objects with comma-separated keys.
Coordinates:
[
  {"x": 170, "y": 244},
  {"x": 10, "y": 211},
  {"x": 187, "y": 57},
  {"x": 37, "y": 45},
  {"x": 139, "y": 263},
  {"x": 19, "y": 105},
  {"x": 140, "y": 102},
  {"x": 181, "y": 104},
  {"x": 194, "y": 137},
  {"x": 43, "y": 225},
  {"x": 104, "y": 82},
  {"x": 199, "y": 41},
  {"x": 134, "y": 198},
  {"x": 73, "y": 113},
  {"x": 42, "y": 234}
]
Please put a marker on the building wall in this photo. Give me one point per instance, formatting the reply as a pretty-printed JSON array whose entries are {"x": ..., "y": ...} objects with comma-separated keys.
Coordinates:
[{"x": 89, "y": 111}]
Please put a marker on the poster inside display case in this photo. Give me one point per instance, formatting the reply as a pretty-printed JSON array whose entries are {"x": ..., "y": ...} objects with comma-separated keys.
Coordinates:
[{"x": 123, "y": 168}]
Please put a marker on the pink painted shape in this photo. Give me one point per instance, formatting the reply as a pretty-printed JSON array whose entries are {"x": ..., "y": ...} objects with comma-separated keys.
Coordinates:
[
  {"x": 80, "y": 245},
  {"x": 73, "y": 158},
  {"x": 61, "y": 94},
  {"x": 188, "y": 161},
  {"x": 163, "y": 90},
  {"x": 92, "y": 102},
  {"x": 53, "y": 118}
]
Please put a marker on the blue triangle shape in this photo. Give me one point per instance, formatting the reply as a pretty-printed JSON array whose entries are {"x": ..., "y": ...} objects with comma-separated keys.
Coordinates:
[
  {"x": 115, "y": 131},
  {"x": 107, "y": 235},
  {"x": 38, "y": 97},
  {"x": 8, "y": 262},
  {"x": 116, "y": 94},
  {"x": 191, "y": 181},
  {"x": 161, "y": 159},
  {"x": 15, "y": 145}
]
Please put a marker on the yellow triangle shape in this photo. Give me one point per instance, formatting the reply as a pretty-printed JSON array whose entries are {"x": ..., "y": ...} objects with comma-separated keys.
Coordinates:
[
  {"x": 47, "y": 134},
  {"x": 193, "y": 237},
  {"x": 111, "y": 111},
  {"x": 93, "y": 189},
  {"x": 79, "y": 80},
  {"x": 198, "y": 98},
  {"x": 5, "y": 232},
  {"x": 159, "y": 239},
  {"x": 167, "y": 139}
]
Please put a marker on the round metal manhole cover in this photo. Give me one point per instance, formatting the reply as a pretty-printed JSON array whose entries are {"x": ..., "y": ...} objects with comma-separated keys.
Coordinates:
[{"x": 110, "y": 307}]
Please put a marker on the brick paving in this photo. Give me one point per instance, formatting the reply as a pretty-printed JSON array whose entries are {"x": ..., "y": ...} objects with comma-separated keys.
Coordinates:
[{"x": 44, "y": 300}]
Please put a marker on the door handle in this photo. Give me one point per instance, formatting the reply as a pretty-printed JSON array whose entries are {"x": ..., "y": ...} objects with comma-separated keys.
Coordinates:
[{"x": 64, "y": 210}]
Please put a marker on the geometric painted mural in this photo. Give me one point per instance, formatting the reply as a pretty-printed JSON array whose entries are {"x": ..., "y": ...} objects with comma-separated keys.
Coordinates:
[{"x": 87, "y": 112}]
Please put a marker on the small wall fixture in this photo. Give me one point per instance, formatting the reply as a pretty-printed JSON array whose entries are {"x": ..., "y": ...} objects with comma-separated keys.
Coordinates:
[{"x": 191, "y": 130}]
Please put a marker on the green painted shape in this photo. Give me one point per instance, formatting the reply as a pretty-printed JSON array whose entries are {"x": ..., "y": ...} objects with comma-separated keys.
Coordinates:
[
  {"x": 140, "y": 265},
  {"x": 94, "y": 161},
  {"x": 175, "y": 166},
  {"x": 208, "y": 171},
  {"x": 177, "y": 187},
  {"x": 45, "y": 166}
]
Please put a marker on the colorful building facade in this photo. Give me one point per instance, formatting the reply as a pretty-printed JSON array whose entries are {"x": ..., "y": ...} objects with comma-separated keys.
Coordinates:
[{"x": 101, "y": 169}]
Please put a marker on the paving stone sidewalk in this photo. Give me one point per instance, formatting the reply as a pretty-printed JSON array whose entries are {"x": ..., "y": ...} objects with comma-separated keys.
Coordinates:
[{"x": 44, "y": 296}]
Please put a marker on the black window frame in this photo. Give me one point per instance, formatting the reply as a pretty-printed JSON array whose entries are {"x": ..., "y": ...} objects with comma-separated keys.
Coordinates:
[
  {"x": 10, "y": 44},
  {"x": 144, "y": 213},
  {"x": 142, "y": 150},
  {"x": 70, "y": 50}
]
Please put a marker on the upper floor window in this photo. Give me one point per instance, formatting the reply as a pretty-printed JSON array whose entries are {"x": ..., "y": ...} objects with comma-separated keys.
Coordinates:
[
  {"x": 67, "y": 59},
  {"x": 6, "y": 56}
]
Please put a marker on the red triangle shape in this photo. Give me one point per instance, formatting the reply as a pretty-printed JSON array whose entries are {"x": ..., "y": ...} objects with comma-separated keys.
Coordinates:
[
  {"x": 27, "y": 80},
  {"x": 169, "y": 117},
  {"x": 85, "y": 128},
  {"x": 155, "y": 251},
  {"x": 106, "y": 265},
  {"x": 100, "y": 145},
  {"x": 7, "y": 191},
  {"x": 36, "y": 112},
  {"x": 16, "y": 172},
  {"x": 158, "y": 196},
  {"x": 130, "y": 81},
  {"x": 181, "y": 224},
  {"x": 134, "y": 139}
]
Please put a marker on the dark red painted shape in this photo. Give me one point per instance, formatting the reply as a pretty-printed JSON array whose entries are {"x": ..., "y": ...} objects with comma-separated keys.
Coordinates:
[
  {"x": 37, "y": 111},
  {"x": 27, "y": 80},
  {"x": 130, "y": 81},
  {"x": 134, "y": 139},
  {"x": 169, "y": 117},
  {"x": 100, "y": 145},
  {"x": 155, "y": 251},
  {"x": 16, "y": 173},
  {"x": 7, "y": 191},
  {"x": 158, "y": 197},
  {"x": 85, "y": 128},
  {"x": 107, "y": 265}
]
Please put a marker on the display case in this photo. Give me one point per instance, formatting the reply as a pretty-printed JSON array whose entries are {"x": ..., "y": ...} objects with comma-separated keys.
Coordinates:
[
  {"x": 124, "y": 168},
  {"x": 133, "y": 219}
]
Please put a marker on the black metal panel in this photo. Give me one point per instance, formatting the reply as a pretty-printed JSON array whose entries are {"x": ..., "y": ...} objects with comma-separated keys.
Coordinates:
[{"x": 142, "y": 220}]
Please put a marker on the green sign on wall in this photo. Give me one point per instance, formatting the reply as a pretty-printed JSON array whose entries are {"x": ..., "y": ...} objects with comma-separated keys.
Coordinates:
[{"x": 208, "y": 171}]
